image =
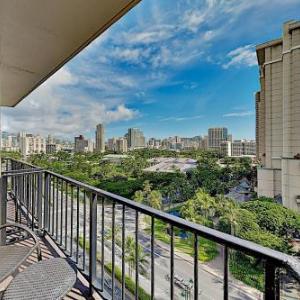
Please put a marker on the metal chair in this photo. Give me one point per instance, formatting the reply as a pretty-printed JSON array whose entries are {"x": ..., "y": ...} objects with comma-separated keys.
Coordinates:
[
  {"x": 12, "y": 256},
  {"x": 50, "y": 279},
  {"x": 45, "y": 280}
]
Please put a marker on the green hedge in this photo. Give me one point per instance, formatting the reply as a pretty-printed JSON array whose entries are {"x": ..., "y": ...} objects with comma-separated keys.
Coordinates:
[{"x": 129, "y": 283}]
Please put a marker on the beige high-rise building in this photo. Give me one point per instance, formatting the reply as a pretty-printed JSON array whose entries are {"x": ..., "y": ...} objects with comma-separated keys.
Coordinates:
[
  {"x": 31, "y": 144},
  {"x": 117, "y": 144},
  {"x": 238, "y": 148},
  {"x": 278, "y": 117},
  {"x": 121, "y": 144},
  {"x": 100, "y": 138}
]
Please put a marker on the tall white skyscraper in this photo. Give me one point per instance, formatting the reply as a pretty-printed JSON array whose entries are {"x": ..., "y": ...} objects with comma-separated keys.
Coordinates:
[{"x": 100, "y": 138}]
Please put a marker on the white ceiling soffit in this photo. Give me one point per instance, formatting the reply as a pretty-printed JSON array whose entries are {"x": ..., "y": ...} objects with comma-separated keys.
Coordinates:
[{"x": 37, "y": 37}]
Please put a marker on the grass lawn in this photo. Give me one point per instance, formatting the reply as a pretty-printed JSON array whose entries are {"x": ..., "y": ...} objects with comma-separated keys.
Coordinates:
[
  {"x": 207, "y": 249},
  {"x": 246, "y": 269},
  {"x": 129, "y": 283}
]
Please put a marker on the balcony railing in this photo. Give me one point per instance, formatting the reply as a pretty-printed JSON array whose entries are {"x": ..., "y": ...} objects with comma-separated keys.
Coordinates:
[{"x": 84, "y": 222}]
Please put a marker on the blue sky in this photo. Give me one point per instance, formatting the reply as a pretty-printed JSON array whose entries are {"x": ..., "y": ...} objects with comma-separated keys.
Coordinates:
[{"x": 170, "y": 67}]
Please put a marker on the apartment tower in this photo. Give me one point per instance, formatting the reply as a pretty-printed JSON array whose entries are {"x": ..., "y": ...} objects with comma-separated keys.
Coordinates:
[
  {"x": 216, "y": 136},
  {"x": 100, "y": 138},
  {"x": 31, "y": 144},
  {"x": 135, "y": 138},
  {"x": 278, "y": 117}
]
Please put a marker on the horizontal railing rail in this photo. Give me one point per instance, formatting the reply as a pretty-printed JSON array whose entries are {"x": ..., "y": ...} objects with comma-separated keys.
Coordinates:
[{"x": 74, "y": 214}]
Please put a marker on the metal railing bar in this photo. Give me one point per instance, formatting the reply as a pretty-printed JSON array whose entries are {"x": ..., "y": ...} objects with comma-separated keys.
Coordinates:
[
  {"x": 102, "y": 244},
  {"x": 32, "y": 201},
  {"x": 20, "y": 172},
  {"x": 53, "y": 203},
  {"x": 45, "y": 198},
  {"x": 152, "y": 257},
  {"x": 72, "y": 217},
  {"x": 56, "y": 211},
  {"x": 66, "y": 217},
  {"x": 77, "y": 225},
  {"x": 113, "y": 251},
  {"x": 50, "y": 200},
  {"x": 123, "y": 252},
  {"x": 171, "y": 262},
  {"x": 225, "y": 279},
  {"x": 93, "y": 241},
  {"x": 196, "y": 290},
  {"x": 84, "y": 230},
  {"x": 61, "y": 211},
  {"x": 136, "y": 255}
]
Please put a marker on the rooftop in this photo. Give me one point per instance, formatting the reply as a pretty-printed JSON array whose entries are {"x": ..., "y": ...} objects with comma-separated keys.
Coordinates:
[{"x": 170, "y": 164}]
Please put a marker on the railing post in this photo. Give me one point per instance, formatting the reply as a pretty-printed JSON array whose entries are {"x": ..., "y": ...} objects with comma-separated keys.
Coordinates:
[
  {"x": 225, "y": 279},
  {"x": 3, "y": 208},
  {"x": 39, "y": 199},
  {"x": 271, "y": 284},
  {"x": 93, "y": 240},
  {"x": 46, "y": 200}
]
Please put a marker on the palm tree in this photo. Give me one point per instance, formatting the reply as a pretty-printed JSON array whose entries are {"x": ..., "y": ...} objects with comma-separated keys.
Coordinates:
[
  {"x": 108, "y": 234},
  {"x": 155, "y": 199},
  {"x": 147, "y": 186},
  {"x": 138, "y": 196},
  {"x": 231, "y": 214},
  {"x": 130, "y": 256},
  {"x": 205, "y": 203}
]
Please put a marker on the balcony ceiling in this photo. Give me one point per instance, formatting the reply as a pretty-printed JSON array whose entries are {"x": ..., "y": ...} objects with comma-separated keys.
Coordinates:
[{"x": 39, "y": 37}]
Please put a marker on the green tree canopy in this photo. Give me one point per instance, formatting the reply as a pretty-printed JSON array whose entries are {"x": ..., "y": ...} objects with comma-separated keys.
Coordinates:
[{"x": 273, "y": 217}]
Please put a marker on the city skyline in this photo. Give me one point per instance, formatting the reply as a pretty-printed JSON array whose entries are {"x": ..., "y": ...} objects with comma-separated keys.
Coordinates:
[
  {"x": 124, "y": 134},
  {"x": 128, "y": 77},
  {"x": 216, "y": 139}
]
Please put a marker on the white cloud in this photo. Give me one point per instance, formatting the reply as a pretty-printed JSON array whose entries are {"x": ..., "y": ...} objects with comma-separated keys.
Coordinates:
[
  {"x": 62, "y": 77},
  {"x": 209, "y": 35},
  {"x": 121, "y": 113},
  {"x": 239, "y": 114},
  {"x": 179, "y": 119},
  {"x": 156, "y": 34},
  {"x": 242, "y": 56},
  {"x": 130, "y": 55},
  {"x": 53, "y": 108},
  {"x": 193, "y": 19}
]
